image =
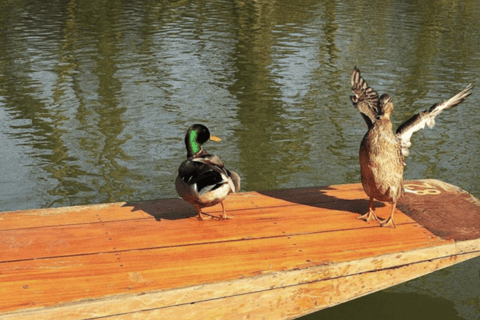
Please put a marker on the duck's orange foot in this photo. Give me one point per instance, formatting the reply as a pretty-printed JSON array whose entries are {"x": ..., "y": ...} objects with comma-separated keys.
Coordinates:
[
  {"x": 224, "y": 217},
  {"x": 224, "y": 214},
  {"x": 202, "y": 218},
  {"x": 388, "y": 223},
  {"x": 369, "y": 216}
]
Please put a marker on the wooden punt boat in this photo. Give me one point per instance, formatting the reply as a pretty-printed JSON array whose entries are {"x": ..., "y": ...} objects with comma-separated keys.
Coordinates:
[{"x": 285, "y": 254}]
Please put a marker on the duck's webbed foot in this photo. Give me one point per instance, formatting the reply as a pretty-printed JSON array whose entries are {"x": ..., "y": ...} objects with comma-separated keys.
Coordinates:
[
  {"x": 370, "y": 215},
  {"x": 201, "y": 217},
  {"x": 224, "y": 214},
  {"x": 389, "y": 222}
]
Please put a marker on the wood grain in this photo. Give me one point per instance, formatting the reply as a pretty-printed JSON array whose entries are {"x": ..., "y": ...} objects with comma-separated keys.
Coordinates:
[{"x": 74, "y": 258}]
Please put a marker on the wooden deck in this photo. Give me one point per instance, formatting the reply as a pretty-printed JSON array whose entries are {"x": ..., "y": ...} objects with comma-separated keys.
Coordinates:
[{"x": 285, "y": 254}]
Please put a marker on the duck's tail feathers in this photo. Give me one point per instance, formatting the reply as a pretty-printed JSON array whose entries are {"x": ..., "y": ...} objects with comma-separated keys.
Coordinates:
[
  {"x": 427, "y": 117},
  {"x": 234, "y": 181}
]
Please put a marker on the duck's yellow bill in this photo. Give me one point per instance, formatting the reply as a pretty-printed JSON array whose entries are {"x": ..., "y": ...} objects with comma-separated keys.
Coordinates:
[{"x": 215, "y": 138}]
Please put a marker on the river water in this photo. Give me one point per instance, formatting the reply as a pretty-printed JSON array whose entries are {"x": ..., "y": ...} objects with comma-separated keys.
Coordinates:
[{"x": 95, "y": 98}]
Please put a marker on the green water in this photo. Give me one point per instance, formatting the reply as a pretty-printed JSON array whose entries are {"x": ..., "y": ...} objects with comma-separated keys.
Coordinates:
[{"x": 95, "y": 98}]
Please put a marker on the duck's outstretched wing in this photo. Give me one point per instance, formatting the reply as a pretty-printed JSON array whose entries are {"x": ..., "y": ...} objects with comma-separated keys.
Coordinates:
[
  {"x": 427, "y": 117},
  {"x": 364, "y": 98}
]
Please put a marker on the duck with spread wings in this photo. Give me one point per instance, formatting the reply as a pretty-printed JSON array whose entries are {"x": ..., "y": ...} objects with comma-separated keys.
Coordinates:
[
  {"x": 203, "y": 180},
  {"x": 382, "y": 152}
]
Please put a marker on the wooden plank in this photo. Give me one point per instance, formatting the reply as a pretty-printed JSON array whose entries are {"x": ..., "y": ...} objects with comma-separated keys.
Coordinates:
[
  {"x": 292, "y": 293},
  {"x": 115, "y": 236},
  {"x": 174, "y": 209},
  {"x": 291, "y": 302},
  {"x": 59, "y": 259},
  {"x": 173, "y": 267},
  {"x": 459, "y": 220}
]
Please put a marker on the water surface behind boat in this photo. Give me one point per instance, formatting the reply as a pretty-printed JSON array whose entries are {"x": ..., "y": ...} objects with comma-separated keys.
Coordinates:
[{"x": 95, "y": 98}]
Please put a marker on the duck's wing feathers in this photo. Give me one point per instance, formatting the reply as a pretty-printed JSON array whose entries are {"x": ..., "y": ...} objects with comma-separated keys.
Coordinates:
[
  {"x": 364, "y": 98},
  {"x": 427, "y": 117},
  {"x": 232, "y": 178},
  {"x": 204, "y": 174}
]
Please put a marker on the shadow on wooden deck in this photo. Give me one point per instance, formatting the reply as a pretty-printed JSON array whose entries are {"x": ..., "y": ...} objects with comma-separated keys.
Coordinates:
[{"x": 319, "y": 197}]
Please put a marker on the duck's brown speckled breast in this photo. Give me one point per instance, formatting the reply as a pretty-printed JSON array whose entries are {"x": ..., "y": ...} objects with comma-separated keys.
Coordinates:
[{"x": 381, "y": 163}]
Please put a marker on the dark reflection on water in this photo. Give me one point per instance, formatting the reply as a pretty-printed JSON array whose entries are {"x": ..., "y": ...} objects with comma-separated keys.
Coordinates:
[
  {"x": 392, "y": 306},
  {"x": 95, "y": 97}
]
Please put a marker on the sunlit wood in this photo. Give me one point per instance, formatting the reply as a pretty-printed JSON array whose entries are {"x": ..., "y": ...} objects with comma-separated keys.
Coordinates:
[{"x": 286, "y": 253}]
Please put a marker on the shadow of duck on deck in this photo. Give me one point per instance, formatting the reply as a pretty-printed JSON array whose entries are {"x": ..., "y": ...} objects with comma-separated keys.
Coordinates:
[{"x": 449, "y": 213}]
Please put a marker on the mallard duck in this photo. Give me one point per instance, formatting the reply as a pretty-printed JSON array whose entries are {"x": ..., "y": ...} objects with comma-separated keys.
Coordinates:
[
  {"x": 382, "y": 152},
  {"x": 202, "y": 179}
]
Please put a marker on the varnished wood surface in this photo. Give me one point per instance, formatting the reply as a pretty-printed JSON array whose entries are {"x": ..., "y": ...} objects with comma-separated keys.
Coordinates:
[{"x": 80, "y": 255}]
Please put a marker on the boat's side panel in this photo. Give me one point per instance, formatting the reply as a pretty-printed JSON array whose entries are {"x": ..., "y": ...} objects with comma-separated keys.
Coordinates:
[
  {"x": 283, "y": 295},
  {"x": 49, "y": 281},
  {"x": 293, "y": 302}
]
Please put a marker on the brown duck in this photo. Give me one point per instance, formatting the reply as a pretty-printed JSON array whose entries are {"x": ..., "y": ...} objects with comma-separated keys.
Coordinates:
[
  {"x": 203, "y": 180},
  {"x": 382, "y": 152}
]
